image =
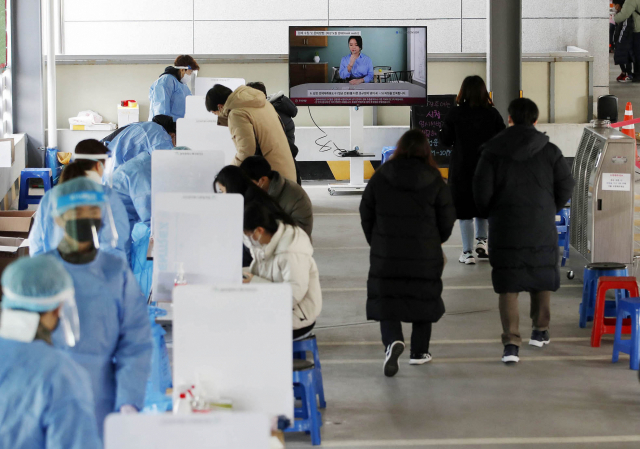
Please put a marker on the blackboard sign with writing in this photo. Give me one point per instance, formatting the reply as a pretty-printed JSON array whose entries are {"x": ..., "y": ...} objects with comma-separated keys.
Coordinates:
[{"x": 429, "y": 119}]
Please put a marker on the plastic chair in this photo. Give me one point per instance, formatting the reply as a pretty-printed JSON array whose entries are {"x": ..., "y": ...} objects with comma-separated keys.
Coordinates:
[
  {"x": 32, "y": 173},
  {"x": 308, "y": 417},
  {"x": 632, "y": 346},
  {"x": 300, "y": 349},
  {"x": 592, "y": 273},
  {"x": 562, "y": 226},
  {"x": 602, "y": 325}
]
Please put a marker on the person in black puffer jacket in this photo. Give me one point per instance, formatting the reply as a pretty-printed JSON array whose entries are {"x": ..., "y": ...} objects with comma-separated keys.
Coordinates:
[
  {"x": 521, "y": 182},
  {"x": 407, "y": 214},
  {"x": 623, "y": 45},
  {"x": 287, "y": 111}
]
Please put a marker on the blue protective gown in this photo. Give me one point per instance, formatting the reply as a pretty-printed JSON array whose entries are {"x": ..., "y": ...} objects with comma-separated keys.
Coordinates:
[
  {"x": 132, "y": 184},
  {"x": 168, "y": 96},
  {"x": 115, "y": 334},
  {"x": 139, "y": 138},
  {"x": 45, "y": 234},
  {"x": 46, "y": 399}
]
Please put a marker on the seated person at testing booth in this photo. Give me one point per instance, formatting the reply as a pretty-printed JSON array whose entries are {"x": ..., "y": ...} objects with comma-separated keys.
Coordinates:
[
  {"x": 159, "y": 134},
  {"x": 356, "y": 67},
  {"x": 46, "y": 396},
  {"x": 282, "y": 252},
  {"x": 90, "y": 159}
]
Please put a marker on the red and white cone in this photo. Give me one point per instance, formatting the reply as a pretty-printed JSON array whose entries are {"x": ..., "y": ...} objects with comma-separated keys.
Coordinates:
[{"x": 630, "y": 130}]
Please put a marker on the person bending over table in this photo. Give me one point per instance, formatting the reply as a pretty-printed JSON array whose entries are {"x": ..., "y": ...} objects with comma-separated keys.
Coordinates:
[{"x": 356, "y": 68}]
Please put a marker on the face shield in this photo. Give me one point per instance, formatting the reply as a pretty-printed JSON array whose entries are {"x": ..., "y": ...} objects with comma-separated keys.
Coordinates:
[
  {"x": 107, "y": 166},
  {"x": 188, "y": 79},
  {"x": 21, "y": 315},
  {"x": 84, "y": 214}
]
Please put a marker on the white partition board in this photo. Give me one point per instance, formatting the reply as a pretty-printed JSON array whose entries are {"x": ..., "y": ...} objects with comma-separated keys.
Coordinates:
[
  {"x": 205, "y": 135},
  {"x": 204, "y": 84},
  {"x": 195, "y": 108},
  {"x": 186, "y": 171},
  {"x": 222, "y": 430},
  {"x": 238, "y": 339},
  {"x": 201, "y": 231}
]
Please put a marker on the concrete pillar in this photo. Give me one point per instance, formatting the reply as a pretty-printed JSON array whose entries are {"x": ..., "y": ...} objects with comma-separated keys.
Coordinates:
[
  {"x": 27, "y": 77},
  {"x": 504, "y": 52}
]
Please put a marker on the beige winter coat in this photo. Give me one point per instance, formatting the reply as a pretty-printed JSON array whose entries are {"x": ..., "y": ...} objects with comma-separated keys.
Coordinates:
[
  {"x": 251, "y": 118},
  {"x": 289, "y": 258}
]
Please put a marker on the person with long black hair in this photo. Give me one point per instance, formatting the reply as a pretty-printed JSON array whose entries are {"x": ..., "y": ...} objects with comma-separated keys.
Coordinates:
[
  {"x": 473, "y": 122},
  {"x": 407, "y": 214}
]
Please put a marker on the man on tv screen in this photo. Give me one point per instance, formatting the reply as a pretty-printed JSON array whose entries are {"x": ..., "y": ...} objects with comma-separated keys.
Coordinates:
[{"x": 356, "y": 68}]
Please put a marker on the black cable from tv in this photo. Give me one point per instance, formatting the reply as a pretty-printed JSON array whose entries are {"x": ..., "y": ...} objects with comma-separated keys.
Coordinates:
[{"x": 326, "y": 146}]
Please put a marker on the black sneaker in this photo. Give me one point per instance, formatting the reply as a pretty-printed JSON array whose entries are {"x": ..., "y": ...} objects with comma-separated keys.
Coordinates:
[
  {"x": 394, "y": 351},
  {"x": 539, "y": 338},
  {"x": 419, "y": 358},
  {"x": 510, "y": 354}
]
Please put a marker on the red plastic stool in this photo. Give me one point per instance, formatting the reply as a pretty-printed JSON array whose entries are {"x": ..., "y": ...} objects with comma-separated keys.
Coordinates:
[{"x": 602, "y": 325}]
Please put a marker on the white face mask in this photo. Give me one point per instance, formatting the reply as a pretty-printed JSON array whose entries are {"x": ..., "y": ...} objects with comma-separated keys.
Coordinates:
[
  {"x": 186, "y": 79},
  {"x": 254, "y": 244},
  {"x": 94, "y": 176},
  {"x": 19, "y": 325}
]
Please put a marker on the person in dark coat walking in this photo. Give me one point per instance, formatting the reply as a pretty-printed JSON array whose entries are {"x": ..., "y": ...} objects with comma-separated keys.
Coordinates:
[
  {"x": 473, "y": 122},
  {"x": 623, "y": 45},
  {"x": 407, "y": 214},
  {"x": 287, "y": 111},
  {"x": 521, "y": 183}
]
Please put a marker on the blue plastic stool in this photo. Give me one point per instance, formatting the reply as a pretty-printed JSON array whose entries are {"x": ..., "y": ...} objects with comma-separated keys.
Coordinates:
[
  {"x": 31, "y": 173},
  {"x": 387, "y": 152},
  {"x": 592, "y": 273},
  {"x": 308, "y": 417},
  {"x": 629, "y": 306},
  {"x": 300, "y": 349},
  {"x": 563, "y": 232}
]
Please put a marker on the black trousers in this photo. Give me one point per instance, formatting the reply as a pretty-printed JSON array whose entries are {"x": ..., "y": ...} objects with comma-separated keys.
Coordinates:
[
  {"x": 297, "y": 333},
  {"x": 420, "y": 335},
  {"x": 636, "y": 55},
  {"x": 627, "y": 68}
]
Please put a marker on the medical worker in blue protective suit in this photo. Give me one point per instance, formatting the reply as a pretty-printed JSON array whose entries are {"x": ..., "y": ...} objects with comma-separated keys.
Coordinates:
[
  {"x": 45, "y": 399},
  {"x": 168, "y": 94},
  {"x": 160, "y": 134},
  {"x": 116, "y": 340},
  {"x": 90, "y": 159}
]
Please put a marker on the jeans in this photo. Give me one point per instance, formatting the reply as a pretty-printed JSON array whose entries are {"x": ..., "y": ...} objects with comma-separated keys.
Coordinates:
[
  {"x": 466, "y": 229},
  {"x": 510, "y": 316},
  {"x": 420, "y": 335}
]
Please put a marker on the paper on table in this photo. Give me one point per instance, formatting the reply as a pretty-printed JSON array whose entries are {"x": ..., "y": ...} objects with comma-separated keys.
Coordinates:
[{"x": 5, "y": 153}]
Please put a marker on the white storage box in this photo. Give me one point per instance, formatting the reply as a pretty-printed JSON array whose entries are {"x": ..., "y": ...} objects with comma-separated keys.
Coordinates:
[{"x": 127, "y": 115}]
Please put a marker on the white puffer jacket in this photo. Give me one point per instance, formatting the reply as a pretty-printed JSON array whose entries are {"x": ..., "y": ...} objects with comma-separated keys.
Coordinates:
[{"x": 289, "y": 258}]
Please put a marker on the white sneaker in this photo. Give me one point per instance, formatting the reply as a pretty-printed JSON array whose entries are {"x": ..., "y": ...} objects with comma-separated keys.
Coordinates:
[
  {"x": 482, "y": 249},
  {"x": 467, "y": 258},
  {"x": 420, "y": 359},
  {"x": 394, "y": 351}
]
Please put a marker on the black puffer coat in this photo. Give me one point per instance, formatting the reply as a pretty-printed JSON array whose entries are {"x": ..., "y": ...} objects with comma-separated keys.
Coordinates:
[
  {"x": 521, "y": 182},
  {"x": 466, "y": 129},
  {"x": 407, "y": 214},
  {"x": 287, "y": 111}
]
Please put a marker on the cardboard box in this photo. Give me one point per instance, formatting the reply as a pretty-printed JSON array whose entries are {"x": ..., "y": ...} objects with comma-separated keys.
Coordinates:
[
  {"x": 11, "y": 249},
  {"x": 16, "y": 223}
]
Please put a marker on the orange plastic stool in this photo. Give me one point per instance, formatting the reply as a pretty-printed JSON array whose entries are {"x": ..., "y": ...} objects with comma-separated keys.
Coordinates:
[{"x": 602, "y": 325}]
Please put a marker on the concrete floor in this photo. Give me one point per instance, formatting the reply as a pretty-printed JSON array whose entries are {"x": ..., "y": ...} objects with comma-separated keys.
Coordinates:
[{"x": 567, "y": 394}]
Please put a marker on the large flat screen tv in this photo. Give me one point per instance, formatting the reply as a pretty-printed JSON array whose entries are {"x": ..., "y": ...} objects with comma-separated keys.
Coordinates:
[{"x": 363, "y": 66}]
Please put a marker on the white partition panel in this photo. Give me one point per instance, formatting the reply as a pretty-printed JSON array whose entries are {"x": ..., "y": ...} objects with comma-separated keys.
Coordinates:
[
  {"x": 236, "y": 340},
  {"x": 184, "y": 171},
  {"x": 204, "y": 84},
  {"x": 212, "y": 431},
  {"x": 200, "y": 233},
  {"x": 196, "y": 109},
  {"x": 205, "y": 135}
]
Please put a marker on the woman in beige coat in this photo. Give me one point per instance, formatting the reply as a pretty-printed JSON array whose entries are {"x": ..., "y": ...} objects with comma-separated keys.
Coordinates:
[
  {"x": 254, "y": 125},
  {"x": 282, "y": 252}
]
